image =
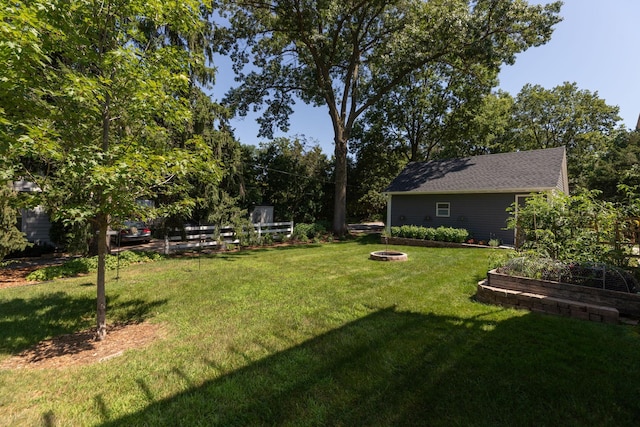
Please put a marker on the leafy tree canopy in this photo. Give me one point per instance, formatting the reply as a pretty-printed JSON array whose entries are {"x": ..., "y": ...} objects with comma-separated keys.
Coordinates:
[
  {"x": 616, "y": 173},
  {"x": 348, "y": 54},
  {"x": 293, "y": 176},
  {"x": 109, "y": 85}
]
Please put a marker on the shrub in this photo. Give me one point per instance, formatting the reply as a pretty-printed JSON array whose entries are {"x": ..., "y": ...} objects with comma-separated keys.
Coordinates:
[
  {"x": 443, "y": 234},
  {"x": 245, "y": 232},
  {"x": 266, "y": 239},
  {"x": 303, "y": 232}
]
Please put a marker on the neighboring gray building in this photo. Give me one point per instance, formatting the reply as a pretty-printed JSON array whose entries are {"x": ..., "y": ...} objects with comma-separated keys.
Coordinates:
[
  {"x": 34, "y": 223},
  {"x": 473, "y": 192}
]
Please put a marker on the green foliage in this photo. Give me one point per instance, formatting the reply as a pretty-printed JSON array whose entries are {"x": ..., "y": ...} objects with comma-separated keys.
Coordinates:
[
  {"x": 596, "y": 275},
  {"x": 489, "y": 128},
  {"x": 375, "y": 165},
  {"x": 348, "y": 55},
  {"x": 293, "y": 177},
  {"x": 599, "y": 154},
  {"x": 303, "y": 232},
  {"x": 224, "y": 211},
  {"x": 552, "y": 226},
  {"x": 565, "y": 116},
  {"x": 441, "y": 234},
  {"x": 73, "y": 237},
  {"x": 573, "y": 228},
  {"x": 535, "y": 267},
  {"x": 11, "y": 239},
  {"x": 266, "y": 239},
  {"x": 245, "y": 232},
  {"x": 618, "y": 169},
  {"x": 111, "y": 90},
  {"x": 79, "y": 266}
]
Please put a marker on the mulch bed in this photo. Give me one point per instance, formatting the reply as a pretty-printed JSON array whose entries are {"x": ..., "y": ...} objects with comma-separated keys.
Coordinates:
[{"x": 80, "y": 348}]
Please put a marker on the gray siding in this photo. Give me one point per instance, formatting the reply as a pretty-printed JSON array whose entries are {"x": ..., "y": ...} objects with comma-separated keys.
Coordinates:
[
  {"x": 36, "y": 225},
  {"x": 35, "y": 222},
  {"x": 483, "y": 215}
]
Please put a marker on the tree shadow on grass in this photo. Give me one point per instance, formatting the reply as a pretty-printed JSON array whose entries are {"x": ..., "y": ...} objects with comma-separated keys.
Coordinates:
[
  {"x": 403, "y": 368},
  {"x": 25, "y": 322},
  {"x": 252, "y": 251},
  {"x": 370, "y": 239}
]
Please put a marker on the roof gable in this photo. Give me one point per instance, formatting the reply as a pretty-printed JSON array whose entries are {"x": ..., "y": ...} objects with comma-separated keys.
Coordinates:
[{"x": 522, "y": 171}]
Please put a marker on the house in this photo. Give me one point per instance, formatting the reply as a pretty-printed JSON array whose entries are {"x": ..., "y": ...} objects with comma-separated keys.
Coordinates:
[
  {"x": 474, "y": 192},
  {"x": 34, "y": 223}
]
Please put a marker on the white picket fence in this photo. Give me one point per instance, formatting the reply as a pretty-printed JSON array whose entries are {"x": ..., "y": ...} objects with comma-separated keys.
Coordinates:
[{"x": 202, "y": 236}]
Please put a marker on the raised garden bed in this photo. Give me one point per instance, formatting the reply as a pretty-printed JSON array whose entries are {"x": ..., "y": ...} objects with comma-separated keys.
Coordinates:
[{"x": 558, "y": 298}]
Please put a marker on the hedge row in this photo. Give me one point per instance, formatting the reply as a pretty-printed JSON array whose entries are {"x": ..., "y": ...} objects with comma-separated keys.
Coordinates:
[{"x": 441, "y": 234}]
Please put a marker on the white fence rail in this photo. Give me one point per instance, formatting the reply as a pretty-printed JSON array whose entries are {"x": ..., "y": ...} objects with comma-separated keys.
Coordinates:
[{"x": 202, "y": 236}]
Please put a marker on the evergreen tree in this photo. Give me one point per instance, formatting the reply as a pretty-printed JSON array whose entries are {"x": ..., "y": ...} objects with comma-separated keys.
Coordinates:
[{"x": 11, "y": 239}]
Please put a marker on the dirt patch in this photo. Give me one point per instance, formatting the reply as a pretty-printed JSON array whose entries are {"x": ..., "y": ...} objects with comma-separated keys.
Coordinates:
[
  {"x": 11, "y": 277},
  {"x": 82, "y": 348},
  {"x": 15, "y": 272}
]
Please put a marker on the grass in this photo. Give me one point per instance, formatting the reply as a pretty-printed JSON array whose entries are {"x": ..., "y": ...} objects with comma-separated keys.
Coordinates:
[{"x": 318, "y": 335}]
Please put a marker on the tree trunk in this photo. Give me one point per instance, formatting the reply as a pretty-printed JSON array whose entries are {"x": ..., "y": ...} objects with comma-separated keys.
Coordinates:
[
  {"x": 340, "y": 203},
  {"x": 102, "y": 221},
  {"x": 93, "y": 245},
  {"x": 101, "y": 312}
]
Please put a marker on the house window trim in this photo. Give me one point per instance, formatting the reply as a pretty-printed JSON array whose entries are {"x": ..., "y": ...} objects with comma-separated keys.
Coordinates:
[{"x": 439, "y": 208}]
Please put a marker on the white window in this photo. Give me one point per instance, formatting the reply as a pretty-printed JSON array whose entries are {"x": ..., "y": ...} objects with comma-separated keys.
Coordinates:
[{"x": 443, "y": 209}]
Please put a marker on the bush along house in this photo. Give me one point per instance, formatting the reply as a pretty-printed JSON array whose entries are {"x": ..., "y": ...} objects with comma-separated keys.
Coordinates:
[{"x": 474, "y": 192}]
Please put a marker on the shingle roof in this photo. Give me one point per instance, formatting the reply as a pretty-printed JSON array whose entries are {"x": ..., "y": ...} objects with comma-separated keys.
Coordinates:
[{"x": 522, "y": 171}]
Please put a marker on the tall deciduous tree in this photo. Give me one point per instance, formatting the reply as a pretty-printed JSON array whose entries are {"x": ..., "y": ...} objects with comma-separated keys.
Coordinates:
[
  {"x": 111, "y": 83},
  {"x": 347, "y": 54},
  {"x": 489, "y": 128},
  {"x": 422, "y": 114},
  {"x": 422, "y": 118},
  {"x": 616, "y": 173},
  {"x": 564, "y": 116}
]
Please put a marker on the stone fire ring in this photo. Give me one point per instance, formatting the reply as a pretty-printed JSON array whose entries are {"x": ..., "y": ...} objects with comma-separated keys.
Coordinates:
[{"x": 388, "y": 256}]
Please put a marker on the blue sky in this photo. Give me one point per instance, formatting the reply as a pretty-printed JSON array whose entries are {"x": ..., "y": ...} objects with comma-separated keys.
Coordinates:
[{"x": 597, "y": 46}]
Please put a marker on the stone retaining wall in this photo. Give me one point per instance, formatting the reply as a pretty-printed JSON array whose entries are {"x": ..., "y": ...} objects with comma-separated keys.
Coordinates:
[
  {"x": 627, "y": 304},
  {"x": 546, "y": 304}
]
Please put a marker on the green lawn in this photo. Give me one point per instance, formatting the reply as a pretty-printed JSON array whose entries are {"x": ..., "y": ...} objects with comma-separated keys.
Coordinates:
[{"x": 318, "y": 335}]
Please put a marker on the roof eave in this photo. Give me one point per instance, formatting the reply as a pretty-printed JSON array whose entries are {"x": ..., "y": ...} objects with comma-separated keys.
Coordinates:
[{"x": 480, "y": 191}]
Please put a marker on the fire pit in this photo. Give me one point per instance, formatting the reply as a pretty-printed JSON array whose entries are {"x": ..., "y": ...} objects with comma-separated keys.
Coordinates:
[{"x": 388, "y": 256}]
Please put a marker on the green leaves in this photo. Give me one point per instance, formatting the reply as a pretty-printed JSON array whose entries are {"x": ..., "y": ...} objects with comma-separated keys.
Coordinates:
[
  {"x": 112, "y": 102},
  {"x": 570, "y": 228},
  {"x": 11, "y": 239},
  {"x": 348, "y": 55}
]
